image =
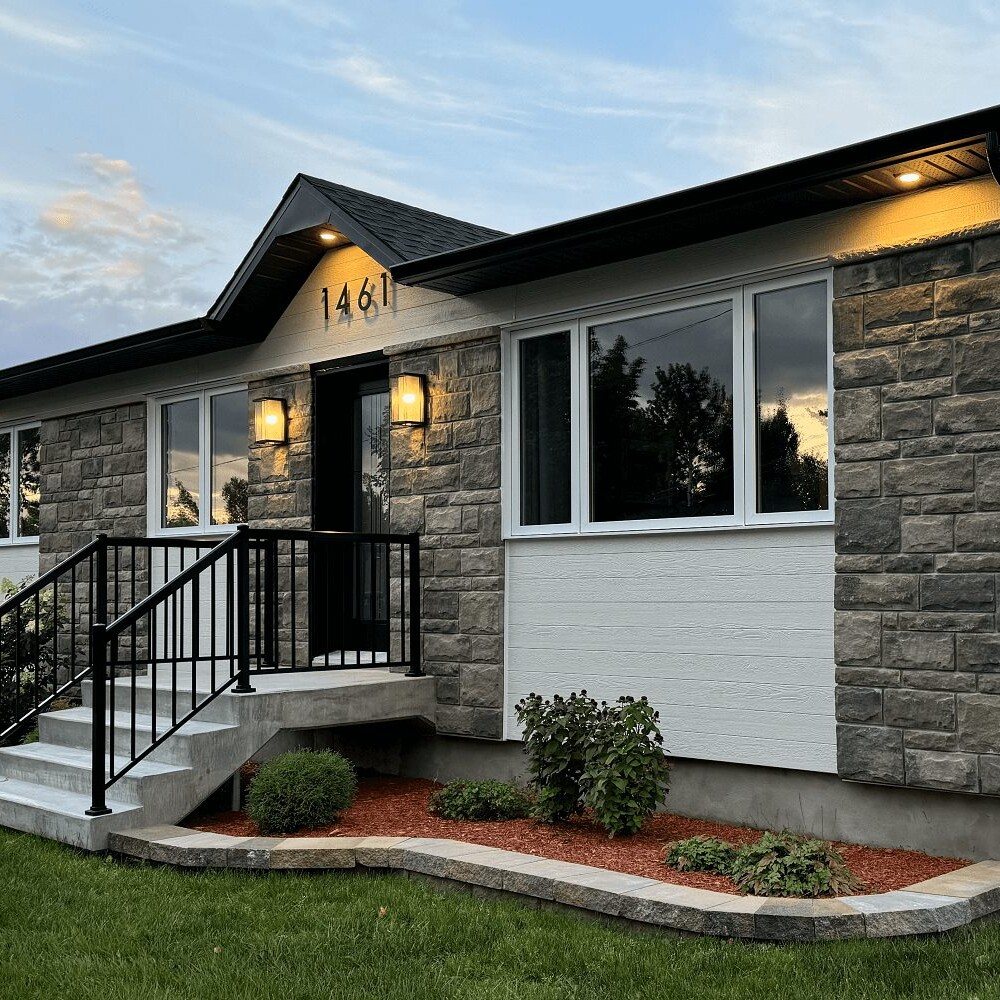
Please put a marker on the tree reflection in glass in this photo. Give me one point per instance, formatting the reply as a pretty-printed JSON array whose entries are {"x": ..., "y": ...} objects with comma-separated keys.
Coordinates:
[
  {"x": 4, "y": 485},
  {"x": 661, "y": 415}
]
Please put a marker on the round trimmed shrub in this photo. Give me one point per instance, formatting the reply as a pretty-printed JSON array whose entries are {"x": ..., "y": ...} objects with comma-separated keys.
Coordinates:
[
  {"x": 480, "y": 800},
  {"x": 302, "y": 789}
]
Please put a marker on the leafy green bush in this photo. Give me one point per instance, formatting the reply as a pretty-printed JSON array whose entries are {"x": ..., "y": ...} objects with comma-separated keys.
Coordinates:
[
  {"x": 557, "y": 737},
  {"x": 608, "y": 758},
  {"x": 625, "y": 775},
  {"x": 301, "y": 789},
  {"x": 480, "y": 800},
  {"x": 784, "y": 864},
  {"x": 701, "y": 854}
]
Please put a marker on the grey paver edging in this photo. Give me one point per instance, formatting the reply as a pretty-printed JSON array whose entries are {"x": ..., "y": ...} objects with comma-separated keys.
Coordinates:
[{"x": 938, "y": 904}]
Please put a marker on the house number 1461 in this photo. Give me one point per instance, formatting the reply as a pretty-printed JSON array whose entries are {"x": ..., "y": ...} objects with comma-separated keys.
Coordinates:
[{"x": 365, "y": 298}]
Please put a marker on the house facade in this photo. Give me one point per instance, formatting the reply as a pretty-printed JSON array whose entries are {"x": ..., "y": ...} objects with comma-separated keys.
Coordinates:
[{"x": 736, "y": 448}]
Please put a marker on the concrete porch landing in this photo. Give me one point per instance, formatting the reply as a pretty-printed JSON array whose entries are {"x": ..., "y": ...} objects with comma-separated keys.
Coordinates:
[{"x": 45, "y": 786}]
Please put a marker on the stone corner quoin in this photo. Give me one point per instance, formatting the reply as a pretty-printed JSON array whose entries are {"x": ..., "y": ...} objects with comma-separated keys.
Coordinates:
[{"x": 917, "y": 477}]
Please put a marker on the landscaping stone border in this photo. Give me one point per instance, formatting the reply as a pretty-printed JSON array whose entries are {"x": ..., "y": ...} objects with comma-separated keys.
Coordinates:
[{"x": 930, "y": 907}]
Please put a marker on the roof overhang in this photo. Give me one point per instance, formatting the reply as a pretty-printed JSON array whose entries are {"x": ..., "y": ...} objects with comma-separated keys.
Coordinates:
[{"x": 942, "y": 152}]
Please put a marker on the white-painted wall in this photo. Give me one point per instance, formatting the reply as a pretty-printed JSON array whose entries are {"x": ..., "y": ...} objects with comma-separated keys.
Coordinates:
[
  {"x": 729, "y": 633},
  {"x": 18, "y": 562}
]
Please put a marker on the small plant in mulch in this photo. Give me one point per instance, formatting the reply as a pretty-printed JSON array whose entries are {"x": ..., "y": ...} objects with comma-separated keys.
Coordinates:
[
  {"x": 607, "y": 758},
  {"x": 700, "y": 854},
  {"x": 300, "y": 790},
  {"x": 784, "y": 864},
  {"x": 480, "y": 800},
  {"x": 779, "y": 864}
]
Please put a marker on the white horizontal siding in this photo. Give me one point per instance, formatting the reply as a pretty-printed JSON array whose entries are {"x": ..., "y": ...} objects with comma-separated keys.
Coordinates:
[
  {"x": 730, "y": 635},
  {"x": 18, "y": 562}
]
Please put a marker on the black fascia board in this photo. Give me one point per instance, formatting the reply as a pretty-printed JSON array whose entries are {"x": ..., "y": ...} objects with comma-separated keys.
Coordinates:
[
  {"x": 167, "y": 343},
  {"x": 768, "y": 182}
]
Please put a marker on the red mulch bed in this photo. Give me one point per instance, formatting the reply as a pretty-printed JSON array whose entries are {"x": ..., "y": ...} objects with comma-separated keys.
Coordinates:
[{"x": 397, "y": 807}]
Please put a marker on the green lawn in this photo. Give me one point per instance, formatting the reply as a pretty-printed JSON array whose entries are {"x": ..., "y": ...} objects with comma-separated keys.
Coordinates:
[{"x": 79, "y": 927}]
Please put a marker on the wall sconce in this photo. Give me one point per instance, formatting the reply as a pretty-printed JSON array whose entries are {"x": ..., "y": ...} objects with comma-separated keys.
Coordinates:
[
  {"x": 407, "y": 400},
  {"x": 270, "y": 421}
]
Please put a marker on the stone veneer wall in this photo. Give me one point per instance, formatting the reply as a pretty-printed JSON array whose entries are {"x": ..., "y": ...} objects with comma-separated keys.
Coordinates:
[
  {"x": 445, "y": 484},
  {"x": 281, "y": 493},
  {"x": 917, "y": 424},
  {"x": 93, "y": 479}
]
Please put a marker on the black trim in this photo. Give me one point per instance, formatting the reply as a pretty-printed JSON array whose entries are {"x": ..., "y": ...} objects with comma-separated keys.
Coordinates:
[{"x": 736, "y": 204}]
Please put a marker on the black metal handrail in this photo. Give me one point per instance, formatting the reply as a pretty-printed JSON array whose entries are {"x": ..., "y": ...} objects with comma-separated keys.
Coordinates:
[
  {"x": 261, "y": 600},
  {"x": 45, "y": 648}
]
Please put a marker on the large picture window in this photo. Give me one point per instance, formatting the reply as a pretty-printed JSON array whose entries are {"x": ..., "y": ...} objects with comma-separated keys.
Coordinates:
[
  {"x": 711, "y": 410},
  {"x": 20, "y": 493},
  {"x": 201, "y": 460}
]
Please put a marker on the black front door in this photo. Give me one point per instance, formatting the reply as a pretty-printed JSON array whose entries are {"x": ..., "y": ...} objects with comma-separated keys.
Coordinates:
[{"x": 348, "y": 585}]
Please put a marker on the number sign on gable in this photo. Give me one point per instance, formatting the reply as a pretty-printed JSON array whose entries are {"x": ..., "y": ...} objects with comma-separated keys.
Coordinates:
[{"x": 364, "y": 300}]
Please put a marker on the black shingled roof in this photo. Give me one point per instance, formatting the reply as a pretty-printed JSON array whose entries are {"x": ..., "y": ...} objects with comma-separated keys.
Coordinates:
[{"x": 408, "y": 231}]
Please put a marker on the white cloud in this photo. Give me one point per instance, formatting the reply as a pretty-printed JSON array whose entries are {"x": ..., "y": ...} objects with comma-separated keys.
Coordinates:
[
  {"x": 99, "y": 260},
  {"x": 37, "y": 33}
]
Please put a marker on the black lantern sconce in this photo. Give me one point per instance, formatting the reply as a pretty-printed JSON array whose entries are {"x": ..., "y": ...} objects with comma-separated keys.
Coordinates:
[
  {"x": 407, "y": 400},
  {"x": 270, "y": 421}
]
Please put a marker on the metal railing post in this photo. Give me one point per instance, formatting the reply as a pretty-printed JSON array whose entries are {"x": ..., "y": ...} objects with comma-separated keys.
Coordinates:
[
  {"x": 243, "y": 611},
  {"x": 416, "y": 639},
  {"x": 98, "y": 746}
]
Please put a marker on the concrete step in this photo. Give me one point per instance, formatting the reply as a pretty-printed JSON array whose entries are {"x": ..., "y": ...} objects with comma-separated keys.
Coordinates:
[
  {"x": 62, "y": 815},
  {"x": 68, "y": 768},
  {"x": 72, "y": 728},
  {"x": 150, "y": 700}
]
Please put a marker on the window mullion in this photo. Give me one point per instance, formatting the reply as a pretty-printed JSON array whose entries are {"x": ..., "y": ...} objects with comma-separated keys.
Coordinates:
[{"x": 205, "y": 461}]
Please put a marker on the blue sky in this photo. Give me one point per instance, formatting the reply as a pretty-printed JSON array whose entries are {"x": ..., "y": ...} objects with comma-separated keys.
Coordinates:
[{"x": 144, "y": 145}]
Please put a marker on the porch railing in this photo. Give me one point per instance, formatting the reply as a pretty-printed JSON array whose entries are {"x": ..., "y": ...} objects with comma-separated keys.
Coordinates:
[{"x": 261, "y": 601}]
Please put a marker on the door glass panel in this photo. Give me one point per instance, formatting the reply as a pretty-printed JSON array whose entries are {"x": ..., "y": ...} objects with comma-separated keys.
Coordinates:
[
  {"x": 372, "y": 500},
  {"x": 661, "y": 415},
  {"x": 28, "y": 473},
  {"x": 230, "y": 462},
  {"x": 792, "y": 398},
  {"x": 180, "y": 489},
  {"x": 4, "y": 485}
]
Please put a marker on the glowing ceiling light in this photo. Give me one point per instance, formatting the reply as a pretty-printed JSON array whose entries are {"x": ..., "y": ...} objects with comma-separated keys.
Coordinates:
[
  {"x": 909, "y": 177},
  {"x": 328, "y": 236}
]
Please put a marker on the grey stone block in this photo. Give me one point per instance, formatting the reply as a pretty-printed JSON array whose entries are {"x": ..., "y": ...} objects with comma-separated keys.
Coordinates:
[
  {"x": 957, "y": 592},
  {"x": 977, "y": 363},
  {"x": 974, "y": 293},
  {"x": 857, "y": 480},
  {"x": 957, "y": 772},
  {"x": 918, "y": 650},
  {"x": 868, "y": 526},
  {"x": 928, "y": 388},
  {"x": 919, "y": 709},
  {"x": 988, "y": 481},
  {"x": 946, "y": 261},
  {"x": 786, "y": 920},
  {"x": 906, "y": 304},
  {"x": 300, "y": 853},
  {"x": 916, "y": 476},
  {"x": 869, "y": 367},
  {"x": 848, "y": 323},
  {"x": 870, "y": 753},
  {"x": 857, "y": 415},
  {"x": 979, "y": 884},
  {"x": 894, "y": 914},
  {"x": 857, "y": 638},
  {"x": 672, "y": 906},
  {"x": 926, "y": 359},
  {"x": 979, "y": 723},
  {"x": 977, "y": 532},
  {"x": 907, "y": 420},
  {"x": 923, "y": 739},
  {"x": 989, "y": 782},
  {"x": 946, "y": 621},
  {"x": 380, "y": 852},
  {"x": 252, "y": 853},
  {"x": 967, "y": 414},
  {"x": 931, "y": 533},
  {"x": 599, "y": 890},
  {"x": 858, "y": 704},
  {"x": 866, "y": 276},
  {"x": 954, "y": 503},
  {"x": 978, "y": 652},
  {"x": 875, "y": 592}
]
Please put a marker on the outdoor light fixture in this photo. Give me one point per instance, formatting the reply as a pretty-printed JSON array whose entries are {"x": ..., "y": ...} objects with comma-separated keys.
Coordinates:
[
  {"x": 909, "y": 177},
  {"x": 407, "y": 404},
  {"x": 328, "y": 236},
  {"x": 270, "y": 421}
]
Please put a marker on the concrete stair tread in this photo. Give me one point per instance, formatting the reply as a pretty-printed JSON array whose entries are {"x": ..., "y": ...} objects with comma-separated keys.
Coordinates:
[
  {"x": 80, "y": 757},
  {"x": 56, "y": 800},
  {"x": 143, "y": 723}
]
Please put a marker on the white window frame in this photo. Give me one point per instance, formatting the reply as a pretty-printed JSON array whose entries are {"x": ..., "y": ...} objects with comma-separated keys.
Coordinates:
[
  {"x": 753, "y": 516},
  {"x": 745, "y": 515},
  {"x": 154, "y": 464},
  {"x": 14, "y": 430}
]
